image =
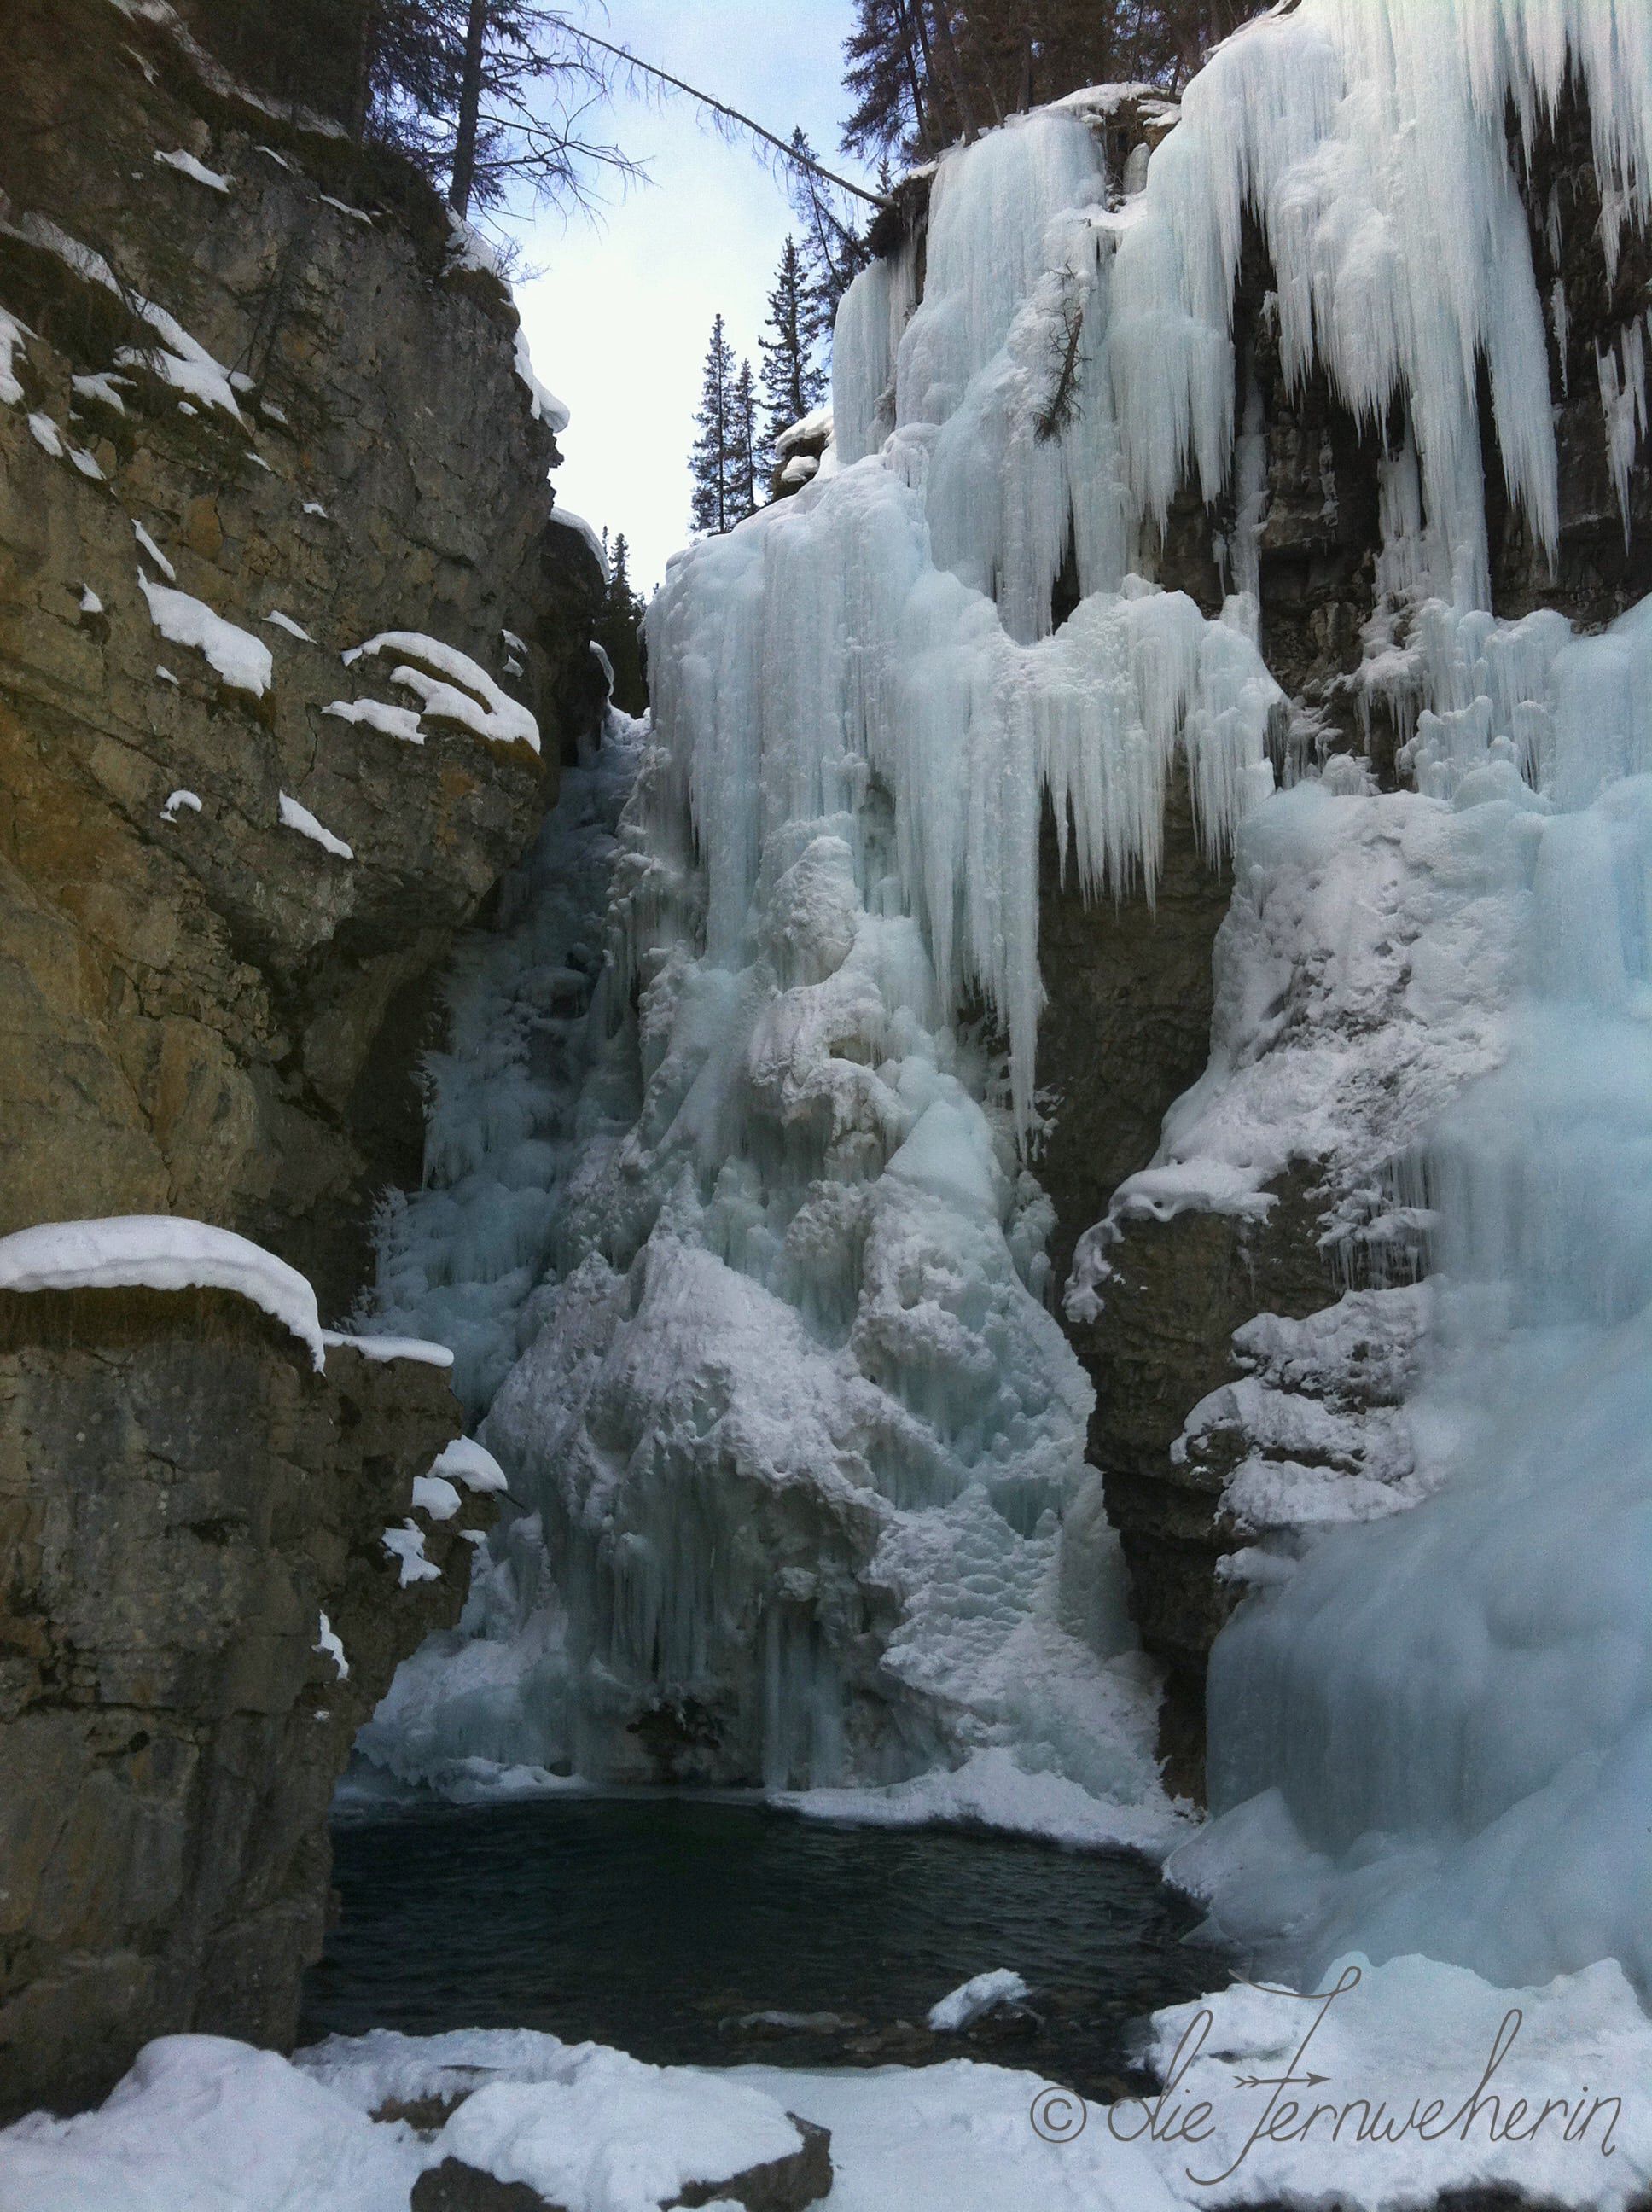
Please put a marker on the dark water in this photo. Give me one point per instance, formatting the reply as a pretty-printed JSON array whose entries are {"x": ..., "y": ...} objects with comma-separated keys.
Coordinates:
[{"x": 657, "y": 1923}]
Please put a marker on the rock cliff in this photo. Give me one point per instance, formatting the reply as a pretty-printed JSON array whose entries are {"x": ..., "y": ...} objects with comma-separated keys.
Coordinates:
[
  {"x": 260, "y": 405},
  {"x": 304, "y": 415}
]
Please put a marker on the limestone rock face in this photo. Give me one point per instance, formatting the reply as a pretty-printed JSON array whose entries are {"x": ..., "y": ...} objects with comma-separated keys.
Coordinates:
[
  {"x": 310, "y": 411},
  {"x": 182, "y": 1497},
  {"x": 258, "y": 405}
]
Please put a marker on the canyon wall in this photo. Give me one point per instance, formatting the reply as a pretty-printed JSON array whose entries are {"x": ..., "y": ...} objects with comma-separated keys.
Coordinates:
[{"x": 260, "y": 405}]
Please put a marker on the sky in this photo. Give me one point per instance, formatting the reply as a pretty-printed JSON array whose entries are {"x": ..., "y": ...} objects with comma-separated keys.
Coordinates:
[{"x": 619, "y": 319}]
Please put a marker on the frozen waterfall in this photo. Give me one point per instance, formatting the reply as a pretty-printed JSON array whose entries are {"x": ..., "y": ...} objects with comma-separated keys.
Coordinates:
[
  {"x": 753, "y": 1280},
  {"x": 802, "y": 1442}
]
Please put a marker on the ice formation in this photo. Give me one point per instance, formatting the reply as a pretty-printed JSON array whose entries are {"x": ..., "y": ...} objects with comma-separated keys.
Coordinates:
[
  {"x": 804, "y": 1446},
  {"x": 761, "y": 1325}
]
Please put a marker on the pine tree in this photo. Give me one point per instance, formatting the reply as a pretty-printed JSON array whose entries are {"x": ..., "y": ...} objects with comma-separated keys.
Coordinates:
[
  {"x": 793, "y": 379},
  {"x": 745, "y": 442},
  {"x": 832, "y": 251},
  {"x": 619, "y": 632},
  {"x": 925, "y": 73},
  {"x": 713, "y": 464}
]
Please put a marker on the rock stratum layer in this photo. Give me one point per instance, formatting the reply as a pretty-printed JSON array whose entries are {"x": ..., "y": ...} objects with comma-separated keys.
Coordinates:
[{"x": 259, "y": 405}]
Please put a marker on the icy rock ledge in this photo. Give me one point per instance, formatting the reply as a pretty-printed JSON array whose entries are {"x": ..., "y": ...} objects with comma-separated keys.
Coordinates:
[{"x": 160, "y": 1252}]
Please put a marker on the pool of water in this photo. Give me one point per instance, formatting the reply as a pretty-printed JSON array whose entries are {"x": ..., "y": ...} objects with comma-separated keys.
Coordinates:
[{"x": 664, "y": 1924}]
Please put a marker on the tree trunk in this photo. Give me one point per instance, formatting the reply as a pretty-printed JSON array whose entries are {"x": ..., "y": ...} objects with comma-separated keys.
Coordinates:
[
  {"x": 366, "y": 52},
  {"x": 470, "y": 110},
  {"x": 946, "y": 46}
]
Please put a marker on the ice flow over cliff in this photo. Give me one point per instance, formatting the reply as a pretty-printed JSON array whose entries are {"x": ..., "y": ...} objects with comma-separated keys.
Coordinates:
[{"x": 800, "y": 1442}]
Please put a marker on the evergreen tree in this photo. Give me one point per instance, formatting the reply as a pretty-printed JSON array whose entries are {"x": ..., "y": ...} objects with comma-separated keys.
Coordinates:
[
  {"x": 925, "y": 73},
  {"x": 712, "y": 464},
  {"x": 619, "y": 632},
  {"x": 793, "y": 378},
  {"x": 743, "y": 495},
  {"x": 833, "y": 250}
]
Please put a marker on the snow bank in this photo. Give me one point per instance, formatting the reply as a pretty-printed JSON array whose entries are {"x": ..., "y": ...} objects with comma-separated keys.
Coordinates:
[
  {"x": 384, "y": 1349},
  {"x": 1402, "y": 2082},
  {"x": 242, "y": 661},
  {"x": 468, "y": 697},
  {"x": 159, "y": 1252},
  {"x": 467, "y": 1461},
  {"x": 401, "y": 722}
]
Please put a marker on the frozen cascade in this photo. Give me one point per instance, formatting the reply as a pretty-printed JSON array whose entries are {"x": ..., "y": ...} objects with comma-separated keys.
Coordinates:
[
  {"x": 802, "y": 1446},
  {"x": 1470, "y": 1779},
  {"x": 459, "y": 1261},
  {"x": 803, "y": 1443}
]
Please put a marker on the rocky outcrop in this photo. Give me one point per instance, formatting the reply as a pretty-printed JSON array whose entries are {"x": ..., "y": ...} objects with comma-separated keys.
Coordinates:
[
  {"x": 259, "y": 405},
  {"x": 261, "y": 353},
  {"x": 183, "y": 1497}
]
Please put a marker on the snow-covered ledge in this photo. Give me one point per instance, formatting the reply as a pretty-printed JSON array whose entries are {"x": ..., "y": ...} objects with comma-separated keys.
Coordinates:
[{"x": 160, "y": 1252}]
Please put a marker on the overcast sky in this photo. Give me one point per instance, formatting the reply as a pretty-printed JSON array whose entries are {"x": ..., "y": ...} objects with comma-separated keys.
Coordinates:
[{"x": 619, "y": 320}]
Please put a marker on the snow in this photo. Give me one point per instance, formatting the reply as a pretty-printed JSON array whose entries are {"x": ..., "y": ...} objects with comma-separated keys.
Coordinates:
[
  {"x": 165, "y": 676},
  {"x": 547, "y": 408},
  {"x": 90, "y": 603},
  {"x": 45, "y": 435},
  {"x": 161, "y": 1252},
  {"x": 406, "y": 1545},
  {"x": 186, "y": 165},
  {"x": 179, "y": 360},
  {"x": 588, "y": 531},
  {"x": 467, "y": 1461},
  {"x": 177, "y": 802},
  {"x": 384, "y": 1349},
  {"x": 241, "y": 660},
  {"x": 995, "y": 1789},
  {"x": 815, "y": 427},
  {"x": 435, "y": 1495},
  {"x": 328, "y": 1644},
  {"x": 13, "y": 334},
  {"x": 286, "y": 622},
  {"x": 973, "y": 1999},
  {"x": 155, "y": 553},
  {"x": 401, "y": 722},
  {"x": 1424, "y": 2080},
  {"x": 343, "y": 208},
  {"x": 468, "y": 697},
  {"x": 294, "y": 816},
  {"x": 315, "y": 507}
]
